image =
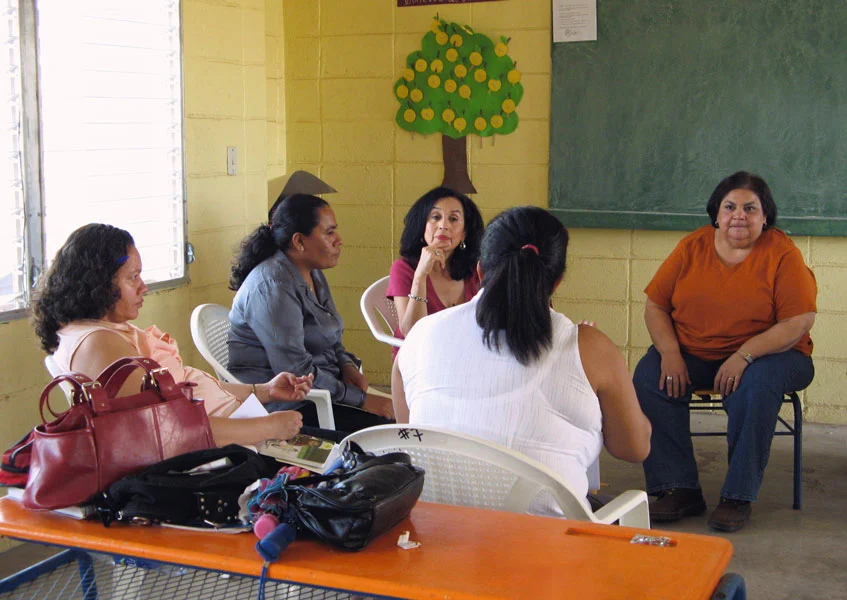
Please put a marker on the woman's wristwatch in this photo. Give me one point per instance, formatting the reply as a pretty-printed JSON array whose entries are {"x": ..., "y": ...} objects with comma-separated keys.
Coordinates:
[{"x": 747, "y": 356}]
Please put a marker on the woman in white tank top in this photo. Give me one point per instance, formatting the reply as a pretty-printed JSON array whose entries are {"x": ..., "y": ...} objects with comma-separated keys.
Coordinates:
[{"x": 508, "y": 368}]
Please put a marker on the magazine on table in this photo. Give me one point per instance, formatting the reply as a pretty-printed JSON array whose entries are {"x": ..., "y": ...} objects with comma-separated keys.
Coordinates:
[{"x": 309, "y": 452}]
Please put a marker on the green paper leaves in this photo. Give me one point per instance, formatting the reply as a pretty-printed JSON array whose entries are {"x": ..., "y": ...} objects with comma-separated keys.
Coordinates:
[{"x": 459, "y": 82}]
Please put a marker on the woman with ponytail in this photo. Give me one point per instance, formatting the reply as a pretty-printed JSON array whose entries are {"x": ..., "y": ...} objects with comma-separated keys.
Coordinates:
[
  {"x": 283, "y": 316},
  {"x": 508, "y": 368}
]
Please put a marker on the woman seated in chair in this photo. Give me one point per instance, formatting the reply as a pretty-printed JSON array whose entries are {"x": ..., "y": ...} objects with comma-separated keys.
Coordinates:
[
  {"x": 729, "y": 309},
  {"x": 82, "y": 313},
  {"x": 508, "y": 368},
  {"x": 439, "y": 249},
  {"x": 283, "y": 316}
]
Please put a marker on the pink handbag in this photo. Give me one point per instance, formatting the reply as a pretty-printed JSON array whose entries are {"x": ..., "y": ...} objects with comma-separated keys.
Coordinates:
[{"x": 102, "y": 438}]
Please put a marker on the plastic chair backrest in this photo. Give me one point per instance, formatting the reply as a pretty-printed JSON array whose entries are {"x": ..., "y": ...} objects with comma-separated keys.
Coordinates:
[
  {"x": 467, "y": 471},
  {"x": 210, "y": 329},
  {"x": 380, "y": 313},
  {"x": 55, "y": 370}
]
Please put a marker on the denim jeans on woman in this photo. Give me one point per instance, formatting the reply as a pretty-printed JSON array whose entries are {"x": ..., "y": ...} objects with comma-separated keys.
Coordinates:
[{"x": 752, "y": 412}]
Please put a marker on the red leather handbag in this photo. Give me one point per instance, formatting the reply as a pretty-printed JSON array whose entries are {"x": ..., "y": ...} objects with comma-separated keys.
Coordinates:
[{"x": 102, "y": 438}]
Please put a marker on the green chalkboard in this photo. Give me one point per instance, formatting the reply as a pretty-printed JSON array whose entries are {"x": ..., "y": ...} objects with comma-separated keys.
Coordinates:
[{"x": 676, "y": 94}]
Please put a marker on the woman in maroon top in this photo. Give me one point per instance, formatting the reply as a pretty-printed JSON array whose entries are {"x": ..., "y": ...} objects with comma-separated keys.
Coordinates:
[{"x": 439, "y": 250}]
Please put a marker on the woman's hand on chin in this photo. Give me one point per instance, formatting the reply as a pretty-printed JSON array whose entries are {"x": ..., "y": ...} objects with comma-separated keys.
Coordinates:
[{"x": 286, "y": 387}]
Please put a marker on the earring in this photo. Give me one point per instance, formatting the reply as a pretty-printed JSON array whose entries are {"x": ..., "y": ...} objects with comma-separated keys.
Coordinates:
[
  {"x": 302, "y": 248},
  {"x": 462, "y": 245}
]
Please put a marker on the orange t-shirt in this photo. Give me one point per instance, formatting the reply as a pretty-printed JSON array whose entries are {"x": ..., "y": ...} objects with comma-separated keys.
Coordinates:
[{"x": 715, "y": 308}]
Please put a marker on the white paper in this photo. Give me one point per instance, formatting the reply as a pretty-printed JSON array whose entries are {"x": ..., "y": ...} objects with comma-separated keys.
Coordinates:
[
  {"x": 574, "y": 20},
  {"x": 404, "y": 543},
  {"x": 249, "y": 409}
]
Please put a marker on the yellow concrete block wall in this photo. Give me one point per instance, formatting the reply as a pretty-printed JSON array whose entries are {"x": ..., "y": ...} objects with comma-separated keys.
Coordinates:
[
  {"x": 341, "y": 60},
  {"x": 224, "y": 45}
]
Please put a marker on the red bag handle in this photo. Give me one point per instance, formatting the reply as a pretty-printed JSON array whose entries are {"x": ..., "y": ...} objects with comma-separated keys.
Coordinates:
[
  {"x": 113, "y": 377},
  {"x": 81, "y": 384}
]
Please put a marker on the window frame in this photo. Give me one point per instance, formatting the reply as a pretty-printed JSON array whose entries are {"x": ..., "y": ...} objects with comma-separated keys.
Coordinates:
[{"x": 31, "y": 159}]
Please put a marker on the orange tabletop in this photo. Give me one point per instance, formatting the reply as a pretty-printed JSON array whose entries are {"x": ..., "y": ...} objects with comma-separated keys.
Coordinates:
[{"x": 465, "y": 553}]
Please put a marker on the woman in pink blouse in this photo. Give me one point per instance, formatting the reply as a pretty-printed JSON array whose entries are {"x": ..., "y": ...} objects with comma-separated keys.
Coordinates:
[{"x": 439, "y": 249}]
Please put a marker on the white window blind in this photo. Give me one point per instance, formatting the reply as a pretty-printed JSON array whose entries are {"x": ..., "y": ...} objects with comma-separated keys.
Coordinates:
[
  {"x": 12, "y": 258},
  {"x": 111, "y": 124}
]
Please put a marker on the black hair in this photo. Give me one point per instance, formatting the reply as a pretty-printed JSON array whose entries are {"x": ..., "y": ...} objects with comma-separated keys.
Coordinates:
[
  {"x": 80, "y": 283},
  {"x": 298, "y": 213},
  {"x": 463, "y": 261},
  {"x": 522, "y": 258},
  {"x": 743, "y": 180}
]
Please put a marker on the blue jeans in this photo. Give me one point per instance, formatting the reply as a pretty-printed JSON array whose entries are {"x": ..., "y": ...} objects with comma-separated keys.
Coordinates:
[{"x": 752, "y": 411}]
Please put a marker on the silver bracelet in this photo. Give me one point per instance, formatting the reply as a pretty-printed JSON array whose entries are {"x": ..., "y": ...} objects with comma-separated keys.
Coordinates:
[{"x": 418, "y": 298}]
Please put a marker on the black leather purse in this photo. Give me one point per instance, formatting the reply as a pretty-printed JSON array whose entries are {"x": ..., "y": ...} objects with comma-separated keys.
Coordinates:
[
  {"x": 358, "y": 502},
  {"x": 170, "y": 492}
]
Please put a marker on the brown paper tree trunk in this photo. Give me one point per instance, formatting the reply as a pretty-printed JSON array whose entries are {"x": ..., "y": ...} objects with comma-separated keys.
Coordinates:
[{"x": 455, "y": 156}]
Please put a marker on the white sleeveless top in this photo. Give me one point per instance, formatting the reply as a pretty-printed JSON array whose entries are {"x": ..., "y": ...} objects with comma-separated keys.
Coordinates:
[{"x": 546, "y": 410}]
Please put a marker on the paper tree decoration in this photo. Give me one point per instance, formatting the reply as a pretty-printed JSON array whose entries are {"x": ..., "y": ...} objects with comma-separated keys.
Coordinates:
[{"x": 459, "y": 83}]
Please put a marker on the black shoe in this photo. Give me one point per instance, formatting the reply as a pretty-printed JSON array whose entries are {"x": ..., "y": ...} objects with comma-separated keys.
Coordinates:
[
  {"x": 676, "y": 503},
  {"x": 730, "y": 515}
]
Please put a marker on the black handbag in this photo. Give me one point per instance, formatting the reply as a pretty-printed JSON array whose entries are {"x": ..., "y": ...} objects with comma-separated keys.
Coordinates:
[
  {"x": 358, "y": 502},
  {"x": 167, "y": 493}
]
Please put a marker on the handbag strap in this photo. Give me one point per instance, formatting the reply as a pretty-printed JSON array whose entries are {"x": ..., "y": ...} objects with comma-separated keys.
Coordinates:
[
  {"x": 156, "y": 377},
  {"x": 373, "y": 461},
  {"x": 82, "y": 386}
]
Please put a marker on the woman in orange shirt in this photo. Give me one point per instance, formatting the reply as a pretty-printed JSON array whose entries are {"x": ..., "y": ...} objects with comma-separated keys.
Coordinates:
[{"x": 729, "y": 309}]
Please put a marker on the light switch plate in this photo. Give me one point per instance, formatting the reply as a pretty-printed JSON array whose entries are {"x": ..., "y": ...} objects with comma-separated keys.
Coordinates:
[{"x": 231, "y": 160}]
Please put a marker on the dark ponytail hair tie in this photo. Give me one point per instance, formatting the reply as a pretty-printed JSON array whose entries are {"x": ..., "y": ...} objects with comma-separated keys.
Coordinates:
[{"x": 530, "y": 247}]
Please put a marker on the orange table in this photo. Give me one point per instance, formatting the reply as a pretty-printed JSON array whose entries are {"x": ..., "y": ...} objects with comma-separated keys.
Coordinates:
[{"x": 465, "y": 553}]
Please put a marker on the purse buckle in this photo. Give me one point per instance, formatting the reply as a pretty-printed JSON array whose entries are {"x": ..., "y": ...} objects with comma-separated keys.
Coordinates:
[
  {"x": 150, "y": 378},
  {"x": 86, "y": 387}
]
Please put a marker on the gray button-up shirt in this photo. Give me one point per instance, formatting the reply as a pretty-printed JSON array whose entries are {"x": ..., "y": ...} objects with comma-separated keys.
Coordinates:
[{"x": 278, "y": 324}]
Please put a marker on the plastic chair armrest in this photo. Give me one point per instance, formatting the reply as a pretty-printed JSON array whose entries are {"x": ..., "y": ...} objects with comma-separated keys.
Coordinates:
[
  {"x": 323, "y": 404},
  {"x": 630, "y": 508}
]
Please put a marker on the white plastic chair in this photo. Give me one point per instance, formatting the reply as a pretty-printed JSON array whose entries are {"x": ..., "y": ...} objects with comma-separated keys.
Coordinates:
[
  {"x": 376, "y": 306},
  {"x": 468, "y": 471},
  {"x": 210, "y": 329},
  {"x": 55, "y": 370}
]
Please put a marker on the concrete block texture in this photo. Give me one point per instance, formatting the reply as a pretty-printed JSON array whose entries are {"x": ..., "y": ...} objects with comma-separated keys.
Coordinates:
[
  {"x": 213, "y": 89},
  {"x": 610, "y": 317},
  {"x": 832, "y": 284},
  {"x": 354, "y": 99},
  {"x": 302, "y": 56},
  {"x": 518, "y": 185},
  {"x": 215, "y": 202},
  {"x": 206, "y": 140},
  {"x": 301, "y": 17},
  {"x": 303, "y": 101},
  {"x": 199, "y": 19},
  {"x": 253, "y": 28},
  {"x": 357, "y": 56},
  {"x": 511, "y": 18},
  {"x": 595, "y": 279},
  {"x": 365, "y": 184},
  {"x": 342, "y": 17},
  {"x": 361, "y": 226},
  {"x": 358, "y": 141}
]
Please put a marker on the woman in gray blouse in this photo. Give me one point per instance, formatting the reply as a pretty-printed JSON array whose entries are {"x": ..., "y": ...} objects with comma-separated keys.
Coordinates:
[{"x": 283, "y": 317}]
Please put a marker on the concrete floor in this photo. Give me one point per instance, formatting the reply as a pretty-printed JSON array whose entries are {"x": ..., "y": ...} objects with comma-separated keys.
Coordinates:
[{"x": 781, "y": 553}]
